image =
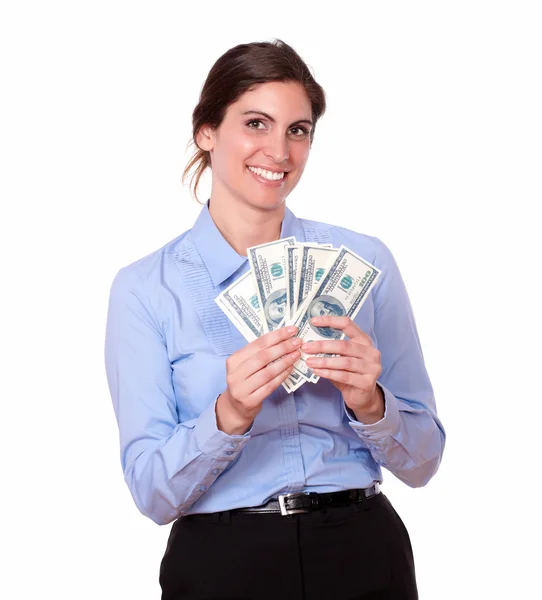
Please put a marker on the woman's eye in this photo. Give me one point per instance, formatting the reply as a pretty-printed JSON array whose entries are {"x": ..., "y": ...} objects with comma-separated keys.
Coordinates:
[
  {"x": 299, "y": 131},
  {"x": 254, "y": 124}
]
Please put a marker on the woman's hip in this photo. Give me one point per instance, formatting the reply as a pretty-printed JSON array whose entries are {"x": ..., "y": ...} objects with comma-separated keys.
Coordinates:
[{"x": 340, "y": 552}]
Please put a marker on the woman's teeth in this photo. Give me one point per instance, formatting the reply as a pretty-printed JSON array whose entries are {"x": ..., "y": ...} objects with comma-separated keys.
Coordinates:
[{"x": 266, "y": 174}]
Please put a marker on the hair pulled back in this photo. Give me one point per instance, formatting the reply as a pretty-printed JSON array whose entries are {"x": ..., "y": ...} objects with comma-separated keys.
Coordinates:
[{"x": 236, "y": 72}]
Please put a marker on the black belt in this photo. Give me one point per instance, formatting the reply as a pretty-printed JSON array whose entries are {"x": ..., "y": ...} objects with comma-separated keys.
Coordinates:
[{"x": 304, "y": 502}]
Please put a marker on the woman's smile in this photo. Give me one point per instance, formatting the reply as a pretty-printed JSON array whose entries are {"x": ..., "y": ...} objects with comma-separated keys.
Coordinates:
[{"x": 268, "y": 178}]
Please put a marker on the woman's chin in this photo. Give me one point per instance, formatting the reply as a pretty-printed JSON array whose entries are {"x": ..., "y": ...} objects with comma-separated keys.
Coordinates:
[{"x": 266, "y": 202}]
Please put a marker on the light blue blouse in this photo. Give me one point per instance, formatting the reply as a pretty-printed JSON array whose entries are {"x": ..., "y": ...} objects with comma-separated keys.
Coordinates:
[{"x": 166, "y": 348}]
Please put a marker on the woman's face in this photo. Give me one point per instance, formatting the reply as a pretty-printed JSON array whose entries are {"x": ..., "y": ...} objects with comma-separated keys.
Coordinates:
[{"x": 267, "y": 128}]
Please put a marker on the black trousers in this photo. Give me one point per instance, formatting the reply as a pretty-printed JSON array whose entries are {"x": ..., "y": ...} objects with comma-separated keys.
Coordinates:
[{"x": 354, "y": 552}]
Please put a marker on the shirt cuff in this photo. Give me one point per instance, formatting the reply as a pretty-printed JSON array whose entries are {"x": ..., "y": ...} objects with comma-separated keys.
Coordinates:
[
  {"x": 217, "y": 443},
  {"x": 388, "y": 424}
]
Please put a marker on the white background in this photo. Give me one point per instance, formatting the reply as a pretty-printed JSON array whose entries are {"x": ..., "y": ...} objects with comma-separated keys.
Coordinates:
[{"x": 432, "y": 142}]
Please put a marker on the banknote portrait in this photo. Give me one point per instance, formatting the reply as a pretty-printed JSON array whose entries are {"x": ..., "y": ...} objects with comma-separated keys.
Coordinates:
[
  {"x": 323, "y": 306},
  {"x": 275, "y": 308}
]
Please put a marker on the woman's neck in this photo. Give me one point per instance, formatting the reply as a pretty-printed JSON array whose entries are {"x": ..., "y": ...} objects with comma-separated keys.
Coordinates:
[{"x": 244, "y": 226}]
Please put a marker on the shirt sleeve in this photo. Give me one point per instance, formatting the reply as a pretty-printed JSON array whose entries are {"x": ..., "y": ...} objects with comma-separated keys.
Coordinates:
[
  {"x": 167, "y": 464},
  {"x": 409, "y": 440}
]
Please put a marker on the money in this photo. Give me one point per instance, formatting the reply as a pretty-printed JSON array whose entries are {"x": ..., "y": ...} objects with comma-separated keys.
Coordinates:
[
  {"x": 293, "y": 382},
  {"x": 305, "y": 265},
  {"x": 314, "y": 262},
  {"x": 268, "y": 264},
  {"x": 294, "y": 269},
  {"x": 240, "y": 303},
  {"x": 292, "y": 260},
  {"x": 342, "y": 291},
  {"x": 289, "y": 283}
]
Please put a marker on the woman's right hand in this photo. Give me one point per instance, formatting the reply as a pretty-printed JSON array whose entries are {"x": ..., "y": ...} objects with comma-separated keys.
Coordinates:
[{"x": 252, "y": 373}]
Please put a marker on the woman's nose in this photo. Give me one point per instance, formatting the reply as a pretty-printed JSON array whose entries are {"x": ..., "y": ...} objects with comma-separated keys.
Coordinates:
[{"x": 278, "y": 148}]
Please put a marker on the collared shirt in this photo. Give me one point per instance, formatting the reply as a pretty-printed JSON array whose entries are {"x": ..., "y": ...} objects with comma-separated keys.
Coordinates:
[{"x": 166, "y": 347}]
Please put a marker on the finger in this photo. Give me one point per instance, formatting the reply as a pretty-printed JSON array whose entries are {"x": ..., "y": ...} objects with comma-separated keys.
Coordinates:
[
  {"x": 342, "y": 347},
  {"x": 363, "y": 382},
  {"x": 263, "y": 358},
  {"x": 262, "y": 378},
  {"x": 341, "y": 363},
  {"x": 346, "y": 325},
  {"x": 244, "y": 385},
  {"x": 268, "y": 388},
  {"x": 275, "y": 337},
  {"x": 360, "y": 366},
  {"x": 265, "y": 341}
]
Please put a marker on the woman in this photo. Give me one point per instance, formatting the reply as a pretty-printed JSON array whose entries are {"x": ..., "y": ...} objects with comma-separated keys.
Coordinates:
[{"x": 209, "y": 438}]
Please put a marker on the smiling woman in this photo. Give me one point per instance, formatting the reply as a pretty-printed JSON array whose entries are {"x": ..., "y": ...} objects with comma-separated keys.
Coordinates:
[
  {"x": 240, "y": 125},
  {"x": 258, "y": 162},
  {"x": 273, "y": 494}
]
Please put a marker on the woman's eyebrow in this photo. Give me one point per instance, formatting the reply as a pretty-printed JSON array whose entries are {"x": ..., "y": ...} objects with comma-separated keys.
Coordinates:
[{"x": 270, "y": 118}]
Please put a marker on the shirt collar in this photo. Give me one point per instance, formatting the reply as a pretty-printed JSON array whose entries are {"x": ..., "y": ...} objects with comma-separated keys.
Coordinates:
[{"x": 221, "y": 260}]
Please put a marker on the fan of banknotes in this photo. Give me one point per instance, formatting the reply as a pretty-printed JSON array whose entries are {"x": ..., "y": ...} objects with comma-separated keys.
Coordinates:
[{"x": 289, "y": 283}]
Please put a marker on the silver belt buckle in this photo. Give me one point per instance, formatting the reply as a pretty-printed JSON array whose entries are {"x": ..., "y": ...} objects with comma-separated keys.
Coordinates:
[
  {"x": 289, "y": 511},
  {"x": 376, "y": 486}
]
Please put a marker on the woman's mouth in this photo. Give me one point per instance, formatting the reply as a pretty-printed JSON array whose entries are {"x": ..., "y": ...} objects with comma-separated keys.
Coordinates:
[{"x": 268, "y": 178}]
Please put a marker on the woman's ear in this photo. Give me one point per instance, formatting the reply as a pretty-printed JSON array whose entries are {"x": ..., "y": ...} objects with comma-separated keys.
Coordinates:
[{"x": 205, "y": 138}]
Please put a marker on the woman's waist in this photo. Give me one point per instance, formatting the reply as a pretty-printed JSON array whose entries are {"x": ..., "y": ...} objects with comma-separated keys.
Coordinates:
[{"x": 241, "y": 487}]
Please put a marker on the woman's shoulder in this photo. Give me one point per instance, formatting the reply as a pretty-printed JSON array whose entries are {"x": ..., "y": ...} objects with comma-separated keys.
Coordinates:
[
  {"x": 369, "y": 247},
  {"x": 150, "y": 265}
]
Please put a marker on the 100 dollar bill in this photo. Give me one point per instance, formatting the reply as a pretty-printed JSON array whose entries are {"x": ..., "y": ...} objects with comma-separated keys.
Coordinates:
[
  {"x": 268, "y": 264},
  {"x": 240, "y": 304},
  {"x": 294, "y": 272},
  {"x": 342, "y": 292},
  {"x": 313, "y": 264},
  {"x": 292, "y": 260}
]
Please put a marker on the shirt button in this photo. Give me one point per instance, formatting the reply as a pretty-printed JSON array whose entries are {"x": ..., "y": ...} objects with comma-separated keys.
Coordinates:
[
  {"x": 215, "y": 471},
  {"x": 202, "y": 488},
  {"x": 229, "y": 452}
]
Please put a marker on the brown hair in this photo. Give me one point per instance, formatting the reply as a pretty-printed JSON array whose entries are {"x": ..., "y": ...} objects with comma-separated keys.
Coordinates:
[{"x": 236, "y": 72}]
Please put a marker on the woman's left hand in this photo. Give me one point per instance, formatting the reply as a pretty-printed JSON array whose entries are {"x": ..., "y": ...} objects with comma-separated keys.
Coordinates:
[{"x": 354, "y": 372}]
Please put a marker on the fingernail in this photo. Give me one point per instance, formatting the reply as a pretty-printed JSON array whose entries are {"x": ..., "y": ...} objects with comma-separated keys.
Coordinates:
[
  {"x": 297, "y": 341},
  {"x": 291, "y": 329}
]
